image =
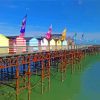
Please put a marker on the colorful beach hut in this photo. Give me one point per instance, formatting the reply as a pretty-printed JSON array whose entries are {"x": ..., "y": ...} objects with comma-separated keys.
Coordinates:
[
  {"x": 65, "y": 44},
  {"x": 57, "y": 38},
  {"x": 4, "y": 44},
  {"x": 59, "y": 44},
  {"x": 17, "y": 44},
  {"x": 12, "y": 44},
  {"x": 33, "y": 43},
  {"x": 44, "y": 44},
  {"x": 52, "y": 44},
  {"x": 20, "y": 44}
]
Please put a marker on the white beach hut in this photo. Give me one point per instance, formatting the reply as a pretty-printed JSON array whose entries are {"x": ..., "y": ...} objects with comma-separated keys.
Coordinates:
[{"x": 44, "y": 44}]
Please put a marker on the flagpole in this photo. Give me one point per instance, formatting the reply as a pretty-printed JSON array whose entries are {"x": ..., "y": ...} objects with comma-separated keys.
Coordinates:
[{"x": 75, "y": 37}]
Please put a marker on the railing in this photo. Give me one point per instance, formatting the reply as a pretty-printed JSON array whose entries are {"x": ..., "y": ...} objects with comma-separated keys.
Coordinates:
[{"x": 31, "y": 49}]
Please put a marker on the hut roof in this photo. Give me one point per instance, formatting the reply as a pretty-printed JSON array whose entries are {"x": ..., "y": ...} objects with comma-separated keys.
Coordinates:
[
  {"x": 28, "y": 38},
  {"x": 39, "y": 38},
  {"x": 3, "y": 36},
  {"x": 12, "y": 37},
  {"x": 56, "y": 36}
]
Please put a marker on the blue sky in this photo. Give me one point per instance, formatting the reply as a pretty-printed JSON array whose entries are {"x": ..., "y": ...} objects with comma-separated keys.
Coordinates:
[{"x": 81, "y": 16}]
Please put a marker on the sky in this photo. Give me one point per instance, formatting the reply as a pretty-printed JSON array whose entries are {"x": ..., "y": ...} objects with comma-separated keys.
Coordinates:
[{"x": 78, "y": 16}]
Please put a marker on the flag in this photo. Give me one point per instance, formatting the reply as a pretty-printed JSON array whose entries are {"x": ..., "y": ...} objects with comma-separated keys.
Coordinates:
[
  {"x": 63, "y": 37},
  {"x": 48, "y": 34},
  {"x": 74, "y": 37},
  {"x": 75, "y": 34},
  {"x": 22, "y": 30}
]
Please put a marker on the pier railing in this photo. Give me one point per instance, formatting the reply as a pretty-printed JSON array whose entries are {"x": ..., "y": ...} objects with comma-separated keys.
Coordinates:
[{"x": 31, "y": 49}]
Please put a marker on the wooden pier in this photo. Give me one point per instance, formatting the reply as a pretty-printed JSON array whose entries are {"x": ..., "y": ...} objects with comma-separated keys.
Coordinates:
[{"x": 19, "y": 68}]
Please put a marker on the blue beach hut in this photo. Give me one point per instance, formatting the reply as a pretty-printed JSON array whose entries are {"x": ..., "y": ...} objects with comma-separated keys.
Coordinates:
[{"x": 35, "y": 43}]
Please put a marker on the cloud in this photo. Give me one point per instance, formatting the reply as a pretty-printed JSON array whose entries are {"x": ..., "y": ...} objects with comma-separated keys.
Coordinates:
[{"x": 3, "y": 23}]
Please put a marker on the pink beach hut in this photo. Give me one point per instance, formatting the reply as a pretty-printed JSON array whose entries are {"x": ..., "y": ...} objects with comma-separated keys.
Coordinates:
[
  {"x": 20, "y": 44},
  {"x": 12, "y": 44},
  {"x": 20, "y": 40},
  {"x": 17, "y": 44}
]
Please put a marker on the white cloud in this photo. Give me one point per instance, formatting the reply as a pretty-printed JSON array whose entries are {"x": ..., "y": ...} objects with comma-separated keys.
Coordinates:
[{"x": 3, "y": 23}]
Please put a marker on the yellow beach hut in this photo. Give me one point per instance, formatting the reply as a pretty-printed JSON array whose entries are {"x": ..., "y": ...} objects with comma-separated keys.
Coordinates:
[
  {"x": 59, "y": 44},
  {"x": 52, "y": 44},
  {"x": 57, "y": 37},
  {"x": 4, "y": 44}
]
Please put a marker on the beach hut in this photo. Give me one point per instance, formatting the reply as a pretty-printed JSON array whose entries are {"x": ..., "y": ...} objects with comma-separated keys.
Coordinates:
[
  {"x": 44, "y": 44},
  {"x": 20, "y": 44},
  {"x": 59, "y": 43},
  {"x": 64, "y": 44},
  {"x": 12, "y": 44},
  {"x": 4, "y": 44},
  {"x": 33, "y": 43},
  {"x": 57, "y": 37},
  {"x": 52, "y": 44},
  {"x": 17, "y": 44}
]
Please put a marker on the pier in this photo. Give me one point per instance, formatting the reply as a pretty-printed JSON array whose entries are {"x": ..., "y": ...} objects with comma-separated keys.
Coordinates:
[{"x": 17, "y": 69}]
